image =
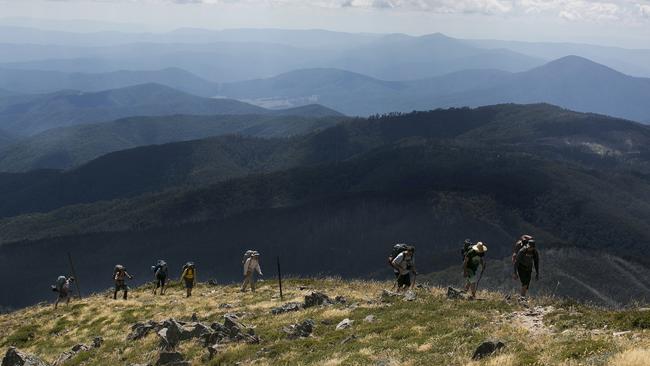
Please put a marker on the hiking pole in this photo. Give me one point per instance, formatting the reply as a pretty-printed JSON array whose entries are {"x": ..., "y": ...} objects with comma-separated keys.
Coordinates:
[
  {"x": 280, "y": 278},
  {"x": 479, "y": 278},
  {"x": 76, "y": 279}
]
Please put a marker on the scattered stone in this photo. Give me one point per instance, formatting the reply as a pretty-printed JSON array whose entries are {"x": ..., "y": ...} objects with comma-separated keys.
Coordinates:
[
  {"x": 387, "y": 296},
  {"x": 213, "y": 350},
  {"x": 409, "y": 296},
  {"x": 68, "y": 355},
  {"x": 171, "y": 359},
  {"x": 316, "y": 298},
  {"x": 424, "y": 286},
  {"x": 225, "y": 306},
  {"x": 369, "y": 319},
  {"x": 195, "y": 318},
  {"x": 302, "y": 288},
  {"x": 238, "y": 331},
  {"x": 340, "y": 300},
  {"x": 618, "y": 334},
  {"x": 455, "y": 294},
  {"x": 291, "y": 306},
  {"x": 348, "y": 339},
  {"x": 213, "y": 282},
  {"x": 169, "y": 338},
  {"x": 486, "y": 349},
  {"x": 140, "y": 330},
  {"x": 326, "y": 322},
  {"x": 344, "y": 324},
  {"x": 300, "y": 330},
  {"x": 14, "y": 357},
  {"x": 97, "y": 342}
]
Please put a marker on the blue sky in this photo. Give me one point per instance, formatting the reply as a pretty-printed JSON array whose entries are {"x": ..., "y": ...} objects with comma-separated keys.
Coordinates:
[{"x": 611, "y": 22}]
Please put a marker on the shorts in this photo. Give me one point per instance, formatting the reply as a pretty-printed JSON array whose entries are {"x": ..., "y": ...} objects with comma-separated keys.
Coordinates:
[
  {"x": 525, "y": 274},
  {"x": 160, "y": 281},
  {"x": 63, "y": 294},
  {"x": 189, "y": 282},
  {"x": 404, "y": 280},
  {"x": 121, "y": 285},
  {"x": 471, "y": 276}
]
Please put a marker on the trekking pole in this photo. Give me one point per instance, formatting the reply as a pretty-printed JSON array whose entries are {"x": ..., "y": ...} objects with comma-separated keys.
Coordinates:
[
  {"x": 280, "y": 277},
  {"x": 479, "y": 279},
  {"x": 76, "y": 279}
]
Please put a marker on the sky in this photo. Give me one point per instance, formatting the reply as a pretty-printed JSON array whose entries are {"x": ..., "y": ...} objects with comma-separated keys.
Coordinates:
[{"x": 623, "y": 23}]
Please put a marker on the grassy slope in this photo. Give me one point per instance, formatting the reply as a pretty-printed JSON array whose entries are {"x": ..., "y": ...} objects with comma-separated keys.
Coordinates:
[{"x": 430, "y": 331}]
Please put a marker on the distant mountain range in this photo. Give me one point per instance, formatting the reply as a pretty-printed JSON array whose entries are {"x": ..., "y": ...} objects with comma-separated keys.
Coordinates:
[
  {"x": 67, "y": 147},
  {"x": 571, "y": 82},
  {"x": 31, "y": 114},
  {"x": 429, "y": 178}
]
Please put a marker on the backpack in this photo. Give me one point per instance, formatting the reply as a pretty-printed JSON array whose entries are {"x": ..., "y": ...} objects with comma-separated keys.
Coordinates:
[
  {"x": 160, "y": 269},
  {"x": 467, "y": 245},
  {"x": 60, "y": 281},
  {"x": 247, "y": 255},
  {"x": 397, "y": 249}
]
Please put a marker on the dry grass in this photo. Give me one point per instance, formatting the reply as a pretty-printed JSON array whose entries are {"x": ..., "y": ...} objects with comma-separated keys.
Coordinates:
[{"x": 428, "y": 331}]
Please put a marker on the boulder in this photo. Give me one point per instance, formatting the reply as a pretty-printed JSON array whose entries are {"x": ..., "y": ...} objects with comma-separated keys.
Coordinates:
[
  {"x": 238, "y": 331},
  {"x": 291, "y": 306},
  {"x": 344, "y": 324},
  {"x": 197, "y": 330},
  {"x": 455, "y": 294},
  {"x": 487, "y": 348},
  {"x": 14, "y": 357},
  {"x": 140, "y": 330},
  {"x": 300, "y": 330},
  {"x": 169, "y": 338},
  {"x": 340, "y": 300},
  {"x": 316, "y": 298},
  {"x": 213, "y": 350},
  {"x": 171, "y": 359},
  {"x": 409, "y": 296},
  {"x": 369, "y": 319},
  {"x": 225, "y": 306},
  {"x": 195, "y": 318},
  {"x": 348, "y": 339},
  {"x": 387, "y": 296}
]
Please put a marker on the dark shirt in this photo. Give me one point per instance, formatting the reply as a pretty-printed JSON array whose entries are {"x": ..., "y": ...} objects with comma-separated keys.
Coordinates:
[{"x": 527, "y": 259}]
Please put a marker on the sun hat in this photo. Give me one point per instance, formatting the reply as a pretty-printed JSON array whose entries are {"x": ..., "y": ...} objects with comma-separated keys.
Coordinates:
[{"x": 479, "y": 247}]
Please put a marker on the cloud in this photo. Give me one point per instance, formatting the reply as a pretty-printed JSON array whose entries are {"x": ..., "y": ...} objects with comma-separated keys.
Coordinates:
[{"x": 570, "y": 10}]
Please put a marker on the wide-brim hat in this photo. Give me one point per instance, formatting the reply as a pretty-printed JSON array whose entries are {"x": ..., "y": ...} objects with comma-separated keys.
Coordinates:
[
  {"x": 479, "y": 247},
  {"x": 255, "y": 254}
]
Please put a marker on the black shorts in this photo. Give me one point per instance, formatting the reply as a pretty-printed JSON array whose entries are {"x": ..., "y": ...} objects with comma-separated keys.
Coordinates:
[
  {"x": 525, "y": 275},
  {"x": 121, "y": 285},
  {"x": 396, "y": 274},
  {"x": 189, "y": 282},
  {"x": 404, "y": 280},
  {"x": 160, "y": 281}
]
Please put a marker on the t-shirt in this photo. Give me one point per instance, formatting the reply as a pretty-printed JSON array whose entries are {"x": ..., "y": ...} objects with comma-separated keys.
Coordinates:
[
  {"x": 473, "y": 260},
  {"x": 527, "y": 259},
  {"x": 252, "y": 265},
  {"x": 403, "y": 263}
]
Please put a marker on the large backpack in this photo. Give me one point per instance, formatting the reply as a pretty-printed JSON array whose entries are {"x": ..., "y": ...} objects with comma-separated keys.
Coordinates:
[
  {"x": 397, "y": 249},
  {"x": 247, "y": 255},
  {"x": 60, "y": 282},
  {"x": 160, "y": 269},
  {"x": 467, "y": 245}
]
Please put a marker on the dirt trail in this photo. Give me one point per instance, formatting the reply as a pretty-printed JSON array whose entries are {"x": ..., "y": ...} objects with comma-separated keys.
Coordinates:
[{"x": 531, "y": 319}]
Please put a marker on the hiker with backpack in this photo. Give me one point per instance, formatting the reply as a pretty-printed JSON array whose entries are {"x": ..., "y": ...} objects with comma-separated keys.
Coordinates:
[
  {"x": 520, "y": 243},
  {"x": 526, "y": 259},
  {"x": 251, "y": 266},
  {"x": 404, "y": 264},
  {"x": 160, "y": 276},
  {"x": 189, "y": 277},
  {"x": 397, "y": 249},
  {"x": 473, "y": 259},
  {"x": 119, "y": 276},
  {"x": 62, "y": 287}
]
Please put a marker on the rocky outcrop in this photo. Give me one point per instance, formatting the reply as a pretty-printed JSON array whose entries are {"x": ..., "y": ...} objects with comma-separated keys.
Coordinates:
[
  {"x": 454, "y": 294},
  {"x": 14, "y": 357},
  {"x": 300, "y": 330},
  {"x": 171, "y": 359},
  {"x": 288, "y": 307},
  {"x": 344, "y": 324},
  {"x": 316, "y": 298}
]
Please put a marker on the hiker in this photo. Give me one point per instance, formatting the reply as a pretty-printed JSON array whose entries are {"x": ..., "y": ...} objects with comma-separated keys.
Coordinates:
[
  {"x": 473, "y": 258},
  {"x": 522, "y": 242},
  {"x": 189, "y": 277},
  {"x": 397, "y": 249},
  {"x": 120, "y": 275},
  {"x": 62, "y": 286},
  {"x": 404, "y": 264},
  {"x": 251, "y": 265},
  {"x": 526, "y": 259},
  {"x": 160, "y": 276}
]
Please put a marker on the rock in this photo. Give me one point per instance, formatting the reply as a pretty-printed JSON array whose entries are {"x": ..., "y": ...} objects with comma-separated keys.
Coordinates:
[
  {"x": 195, "y": 317},
  {"x": 487, "y": 348},
  {"x": 291, "y": 306},
  {"x": 213, "y": 282},
  {"x": 225, "y": 306},
  {"x": 300, "y": 330},
  {"x": 237, "y": 331},
  {"x": 387, "y": 296},
  {"x": 344, "y": 324},
  {"x": 348, "y": 339},
  {"x": 316, "y": 298},
  {"x": 14, "y": 357},
  {"x": 171, "y": 359},
  {"x": 340, "y": 300},
  {"x": 80, "y": 347},
  {"x": 140, "y": 330},
  {"x": 213, "y": 350},
  {"x": 409, "y": 296},
  {"x": 369, "y": 319},
  {"x": 455, "y": 294},
  {"x": 68, "y": 355},
  {"x": 169, "y": 338},
  {"x": 618, "y": 334},
  {"x": 97, "y": 342}
]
